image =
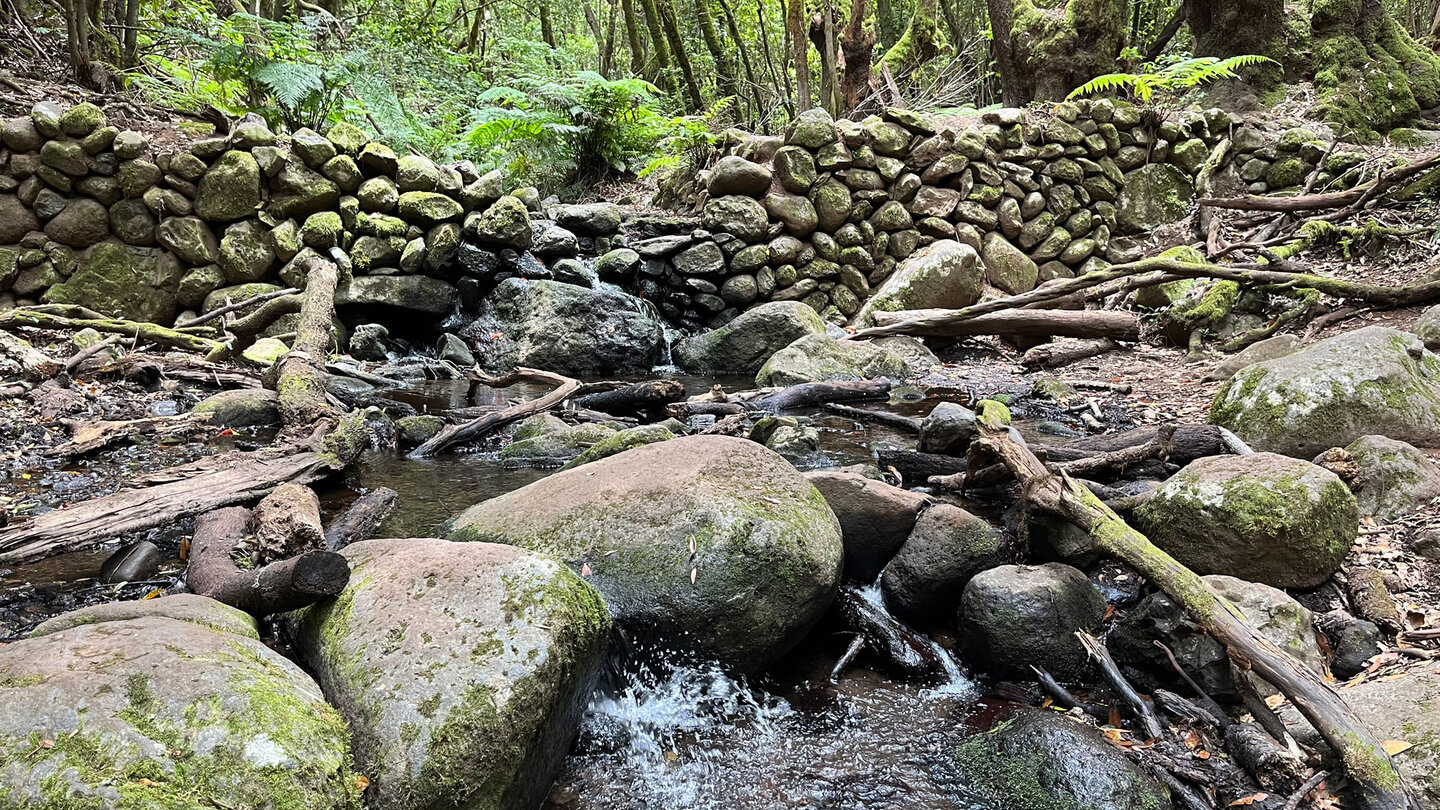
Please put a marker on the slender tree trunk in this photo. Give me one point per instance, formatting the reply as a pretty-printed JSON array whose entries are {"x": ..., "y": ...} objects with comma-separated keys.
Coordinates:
[
  {"x": 132, "y": 29},
  {"x": 637, "y": 43},
  {"x": 778, "y": 77},
  {"x": 858, "y": 46},
  {"x": 682, "y": 55},
  {"x": 657, "y": 41},
  {"x": 607, "y": 56},
  {"x": 822, "y": 36},
  {"x": 795, "y": 30},
  {"x": 1013, "y": 87},
  {"x": 724, "y": 71},
  {"x": 750, "y": 77},
  {"x": 885, "y": 24},
  {"x": 1435, "y": 23},
  {"x": 547, "y": 32}
]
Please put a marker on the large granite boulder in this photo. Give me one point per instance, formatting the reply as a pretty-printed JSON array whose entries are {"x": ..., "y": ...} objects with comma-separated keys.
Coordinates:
[
  {"x": 565, "y": 328},
  {"x": 816, "y": 358},
  {"x": 1264, "y": 517},
  {"x": 171, "y": 702},
  {"x": 462, "y": 669},
  {"x": 1369, "y": 381},
  {"x": 743, "y": 345},
  {"x": 708, "y": 541},
  {"x": 139, "y": 284},
  {"x": 1043, "y": 759},
  {"x": 1153, "y": 195},
  {"x": 944, "y": 274}
]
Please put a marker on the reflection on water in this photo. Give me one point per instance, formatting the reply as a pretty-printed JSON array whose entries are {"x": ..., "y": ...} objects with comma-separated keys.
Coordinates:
[{"x": 436, "y": 489}]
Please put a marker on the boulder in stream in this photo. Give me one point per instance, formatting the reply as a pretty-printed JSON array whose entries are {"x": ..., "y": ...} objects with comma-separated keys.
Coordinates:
[
  {"x": 169, "y": 702},
  {"x": 875, "y": 518},
  {"x": 1043, "y": 759},
  {"x": 463, "y": 669},
  {"x": 706, "y": 541},
  {"x": 1373, "y": 380},
  {"x": 743, "y": 345},
  {"x": 947, "y": 547},
  {"x": 819, "y": 357},
  {"x": 1017, "y": 616},
  {"x": 565, "y": 328}
]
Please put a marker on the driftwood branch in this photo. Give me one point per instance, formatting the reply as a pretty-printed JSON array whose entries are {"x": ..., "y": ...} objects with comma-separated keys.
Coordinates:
[
  {"x": 360, "y": 520},
  {"x": 809, "y": 395},
  {"x": 1336, "y": 199},
  {"x": 278, "y": 587},
  {"x": 1364, "y": 757},
  {"x": 149, "y": 332},
  {"x": 565, "y": 387},
  {"x": 1078, "y": 323}
]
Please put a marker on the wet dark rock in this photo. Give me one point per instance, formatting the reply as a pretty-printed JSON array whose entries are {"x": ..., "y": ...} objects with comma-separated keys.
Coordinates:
[
  {"x": 946, "y": 548},
  {"x": 948, "y": 429},
  {"x": 1017, "y": 616},
  {"x": 1353, "y": 642},
  {"x": 418, "y": 294},
  {"x": 565, "y": 328},
  {"x": 1043, "y": 759},
  {"x": 135, "y": 561}
]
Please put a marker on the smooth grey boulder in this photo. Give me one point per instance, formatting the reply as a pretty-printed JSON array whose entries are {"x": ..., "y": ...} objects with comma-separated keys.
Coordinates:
[
  {"x": 875, "y": 518},
  {"x": 1264, "y": 517},
  {"x": 462, "y": 668},
  {"x": 1153, "y": 195},
  {"x": 419, "y": 294},
  {"x": 593, "y": 219},
  {"x": 565, "y": 328},
  {"x": 1270, "y": 348},
  {"x": 242, "y": 407},
  {"x": 711, "y": 542},
  {"x": 736, "y": 175},
  {"x": 743, "y": 345},
  {"x": 944, "y": 274},
  {"x": 1014, "y": 617},
  {"x": 1372, "y": 380},
  {"x": 948, "y": 429},
  {"x": 178, "y": 691}
]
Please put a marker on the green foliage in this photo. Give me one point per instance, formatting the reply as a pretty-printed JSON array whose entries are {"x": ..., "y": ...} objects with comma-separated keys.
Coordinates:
[{"x": 1174, "y": 78}]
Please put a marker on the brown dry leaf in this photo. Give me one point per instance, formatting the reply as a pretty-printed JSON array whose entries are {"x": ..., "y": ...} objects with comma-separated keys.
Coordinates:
[
  {"x": 1202, "y": 754},
  {"x": 1393, "y": 747},
  {"x": 1246, "y": 801},
  {"x": 362, "y": 782},
  {"x": 585, "y": 569}
]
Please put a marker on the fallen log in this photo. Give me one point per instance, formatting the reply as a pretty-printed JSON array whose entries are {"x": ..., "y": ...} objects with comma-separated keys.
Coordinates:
[
  {"x": 1079, "y": 323},
  {"x": 1365, "y": 759},
  {"x": 894, "y": 646},
  {"x": 894, "y": 420},
  {"x": 34, "y": 364},
  {"x": 1112, "y": 461},
  {"x": 361, "y": 519},
  {"x": 238, "y": 305},
  {"x": 303, "y": 381},
  {"x": 1188, "y": 442},
  {"x": 86, "y": 437},
  {"x": 565, "y": 387},
  {"x": 165, "y": 496},
  {"x": 1050, "y": 355},
  {"x": 287, "y": 523},
  {"x": 913, "y": 465},
  {"x": 1334, "y": 199},
  {"x": 649, "y": 396},
  {"x": 685, "y": 410},
  {"x": 276, "y": 588},
  {"x": 809, "y": 395}
]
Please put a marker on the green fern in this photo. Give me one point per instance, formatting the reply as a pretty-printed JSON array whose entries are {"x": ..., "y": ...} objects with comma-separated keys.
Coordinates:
[{"x": 1175, "y": 78}]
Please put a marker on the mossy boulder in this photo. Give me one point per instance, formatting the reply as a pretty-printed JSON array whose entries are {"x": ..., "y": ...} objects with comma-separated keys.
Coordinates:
[
  {"x": 1278, "y": 617},
  {"x": 80, "y": 224},
  {"x": 795, "y": 169},
  {"x": 1395, "y": 478},
  {"x": 944, "y": 274},
  {"x": 947, "y": 547},
  {"x": 164, "y": 704},
  {"x": 1006, "y": 266},
  {"x": 1153, "y": 195},
  {"x": 564, "y": 328},
  {"x": 1370, "y": 380},
  {"x": 230, "y": 190},
  {"x": 189, "y": 238},
  {"x": 16, "y": 219},
  {"x": 553, "y": 448},
  {"x": 242, "y": 407},
  {"x": 1014, "y": 617},
  {"x": 506, "y": 222},
  {"x": 246, "y": 252},
  {"x": 817, "y": 358},
  {"x": 347, "y": 138},
  {"x": 736, "y": 175},
  {"x": 740, "y": 216},
  {"x": 462, "y": 669},
  {"x": 299, "y": 191},
  {"x": 620, "y": 441},
  {"x": 419, "y": 294},
  {"x": 1263, "y": 517},
  {"x": 1044, "y": 760},
  {"x": 139, "y": 284},
  {"x": 811, "y": 129},
  {"x": 709, "y": 541},
  {"x": 743, "y": 345}
]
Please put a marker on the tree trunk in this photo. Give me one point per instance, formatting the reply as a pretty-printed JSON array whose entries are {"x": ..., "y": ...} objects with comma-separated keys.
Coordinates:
[
  {"x": 657, "y": 41},
  {"x": 920, "y": 43},
  {"x": 1044, "y": 53},
  {"x": 724, "y": 70},
  {"x": 278, "y": 587},
  {"x": 822, "y": 36},
  {"x": 795, "y": 32},
  {"x": 681, "y": 53},
  {"x": 607, "y": 54},
  {"x": 637, "y": 44},
  {"x": 1370, "y": 74},
  {"x": 303, "y": 380},
  {"x": 547, "y": 31},
  {"x": 857, "y": 44},
  {"x": 750, "y": 78},
  {"x": 889, "y": 28},
  {"x": 1227, "y": 28}
]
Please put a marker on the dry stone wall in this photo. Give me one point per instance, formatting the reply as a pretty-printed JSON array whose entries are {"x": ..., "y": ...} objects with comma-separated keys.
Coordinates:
[{"x": 99, "y": 217}]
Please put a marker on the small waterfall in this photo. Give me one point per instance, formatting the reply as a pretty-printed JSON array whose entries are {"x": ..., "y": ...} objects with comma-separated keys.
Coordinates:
[
  {"x": 955, "y": 681},
  {"x": 646, "y": 307}
]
